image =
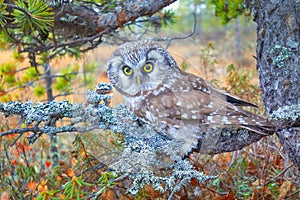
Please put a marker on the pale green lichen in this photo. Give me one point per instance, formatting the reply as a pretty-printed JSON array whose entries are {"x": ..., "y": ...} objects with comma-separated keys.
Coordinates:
[
  {"x": 180, "y": 176},
  {"x": 279, "y": 55},
  {"x": 287, "y": 112}
]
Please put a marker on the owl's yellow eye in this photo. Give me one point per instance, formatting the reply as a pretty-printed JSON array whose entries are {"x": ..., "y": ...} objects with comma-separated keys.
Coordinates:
[
  {"x": 148, "y": 67},
  {"x": 127, "y": 70}
]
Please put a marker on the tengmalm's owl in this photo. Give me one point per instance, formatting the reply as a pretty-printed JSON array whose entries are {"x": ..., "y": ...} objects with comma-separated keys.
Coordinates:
[{"x": 180, "y": 105}]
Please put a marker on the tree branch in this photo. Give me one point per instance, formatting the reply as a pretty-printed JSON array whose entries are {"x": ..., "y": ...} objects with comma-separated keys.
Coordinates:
[
  {"x": 95, "y": 114},
  {"x": 78, "y": 24}
]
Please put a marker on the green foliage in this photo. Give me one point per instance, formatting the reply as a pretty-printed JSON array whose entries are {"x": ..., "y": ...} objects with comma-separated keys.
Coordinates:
[
  {"x": 25, "y": 172},
  {"x": 48, "y": 194},
  {"x": 4, "y": 40},
  {"x": 18, "y": 57},
  {"x": 32, "y": 78},
  {"x": 7, "y": 74},
  {"x": 7, "y": 68},
  {"x": 273, "y": 187},
  {"x": 90, "y": 67},
  {"x": 167, "y": 18},
  {"x": 244, "y": 188},
  {"x": 30, "y": 74},
  {"x": 106, "y": 180},
  {"x": 142, "y": 195},
  {"x": 64, "y": 82},
  {"x": 39, "y": 90},
  {"x": 73, "y": 188},
  {"x": 3, "y": 13},
  {"x": 228, "y": 9},
  {"x": 38, "y": 16}
]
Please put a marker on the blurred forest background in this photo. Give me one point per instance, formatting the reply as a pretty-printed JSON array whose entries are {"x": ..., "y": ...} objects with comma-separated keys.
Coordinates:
[{"x": 221, "y": 51}]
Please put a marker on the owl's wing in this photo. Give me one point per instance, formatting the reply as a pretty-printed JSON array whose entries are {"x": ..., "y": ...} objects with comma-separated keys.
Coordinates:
[
  {"x": 201, "y": 85},
  {"x": 227, "y": 108},
  {"x": 191, "y": 100}
]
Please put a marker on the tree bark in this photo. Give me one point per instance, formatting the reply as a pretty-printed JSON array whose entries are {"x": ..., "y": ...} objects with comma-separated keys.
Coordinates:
[
  {"x": 278, "y": 55},
  {"x": 88, "y": 24}
]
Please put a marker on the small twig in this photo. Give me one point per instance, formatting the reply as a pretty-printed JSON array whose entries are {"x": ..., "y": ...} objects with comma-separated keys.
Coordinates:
[
  {"x": 120, "y": 178},
  {"x": 280, "y": 152},
  {"x": 18, "y": 8},
  {"x": 64, "y": 75},
  {"x": 292, "y": 194},
  {"x": 36, "y": 130},
  {"x": 169, "y": 39},
  {"x": 62, "y": 94},
  {"x": 279, "y": 174},
  {"x": 14, "y": 142},
  {"x": 86, "y": 153},
  {"x": 17, "y": 131}
]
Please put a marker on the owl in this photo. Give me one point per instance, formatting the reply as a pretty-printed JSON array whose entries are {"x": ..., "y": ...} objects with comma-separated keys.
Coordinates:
[{"x": 180, "y": 105}]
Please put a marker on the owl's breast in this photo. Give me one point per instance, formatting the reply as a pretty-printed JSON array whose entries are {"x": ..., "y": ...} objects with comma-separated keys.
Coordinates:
[{"x": 151, "y": 105}]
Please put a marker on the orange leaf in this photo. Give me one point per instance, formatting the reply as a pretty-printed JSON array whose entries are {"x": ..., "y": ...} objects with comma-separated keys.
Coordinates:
[
  {"x": 58, "y": 178},
  {"x": 32, "y": 185},
  {"x": 70, "y": 172},
  {"x": 109, "y": 194},
  {"x": 14, "y": 162},
  {"x": 61, "y": 196},
  {"x": 27, "y": 147},
  {"x": 21, "y": 58},
  {"x": 94, "y": 189},
  {"x": 10, "y": 135}
]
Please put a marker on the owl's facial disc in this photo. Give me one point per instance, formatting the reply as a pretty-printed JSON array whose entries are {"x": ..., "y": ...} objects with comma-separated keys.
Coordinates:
[
  {"x": 139, "y": 66},
  {"x": 139, "y": 77},
  {"x": 128, "y": 71}
]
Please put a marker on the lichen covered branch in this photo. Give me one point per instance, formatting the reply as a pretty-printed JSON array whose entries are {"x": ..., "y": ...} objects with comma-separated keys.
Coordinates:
[
  {"x": 145, "y": 151},
  {"x": 96, "y": 114}
]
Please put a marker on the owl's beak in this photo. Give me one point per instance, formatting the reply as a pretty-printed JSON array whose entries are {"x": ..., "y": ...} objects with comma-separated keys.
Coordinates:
[{"x": 138, "y": 80}]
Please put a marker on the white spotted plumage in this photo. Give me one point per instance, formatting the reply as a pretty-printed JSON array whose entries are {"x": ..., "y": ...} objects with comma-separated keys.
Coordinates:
[{"x": 166, "y": 95}]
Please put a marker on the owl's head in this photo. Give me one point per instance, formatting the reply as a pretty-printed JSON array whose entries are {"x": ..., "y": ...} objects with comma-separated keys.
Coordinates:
[{"x": 141, "y": 65}]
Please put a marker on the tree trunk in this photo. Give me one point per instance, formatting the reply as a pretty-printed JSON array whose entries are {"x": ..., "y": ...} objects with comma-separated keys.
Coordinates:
[
  {"x": 48, "y": 80},
  {"x": 54, "y": 154},
  {"x": 278, "y": 53}
]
